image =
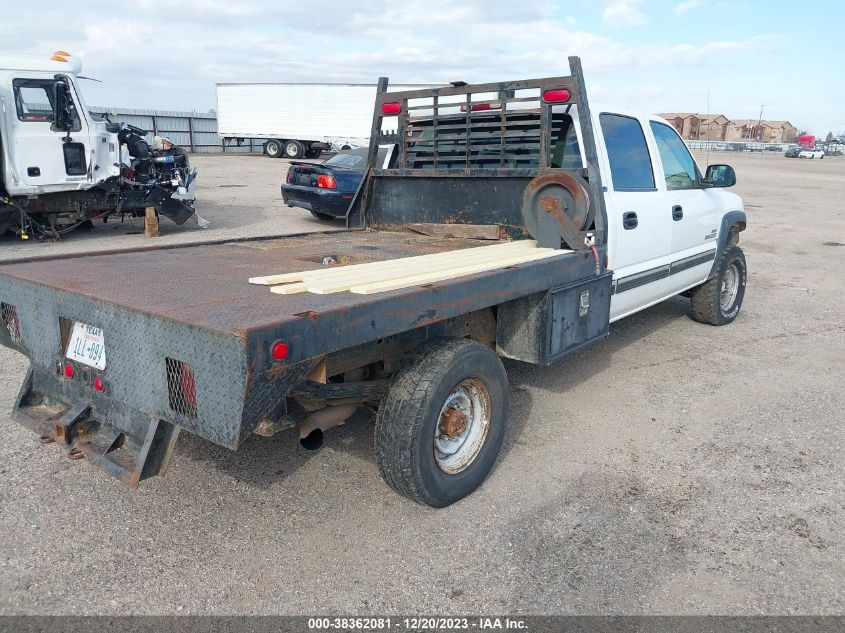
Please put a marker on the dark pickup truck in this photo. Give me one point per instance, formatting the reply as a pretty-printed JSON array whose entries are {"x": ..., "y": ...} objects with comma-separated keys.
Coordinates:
[{"x": 128, "y": 348}]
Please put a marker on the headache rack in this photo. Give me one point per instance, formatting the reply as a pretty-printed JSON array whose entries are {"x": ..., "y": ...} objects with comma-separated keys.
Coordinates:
[{"x": 454, "y": 143}]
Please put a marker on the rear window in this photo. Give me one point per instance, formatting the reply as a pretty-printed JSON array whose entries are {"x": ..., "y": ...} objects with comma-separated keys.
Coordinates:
[
  {"x": 630, "y": 163},
  {"x": 346, "y": 160}
]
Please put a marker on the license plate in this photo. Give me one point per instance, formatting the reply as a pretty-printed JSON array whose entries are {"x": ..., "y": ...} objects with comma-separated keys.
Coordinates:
[
  {"x": 87, "y": 345},
  {"x": 304, "y": 179}
]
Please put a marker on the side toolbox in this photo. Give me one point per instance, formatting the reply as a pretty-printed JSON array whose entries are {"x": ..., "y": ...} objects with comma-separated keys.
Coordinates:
[{"x": 546, "y": 326}]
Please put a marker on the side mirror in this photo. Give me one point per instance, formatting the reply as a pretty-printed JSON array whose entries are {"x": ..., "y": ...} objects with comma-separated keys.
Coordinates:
[
  {"x": 62, "y": 106},
  {"x": 720, "y": 176}
]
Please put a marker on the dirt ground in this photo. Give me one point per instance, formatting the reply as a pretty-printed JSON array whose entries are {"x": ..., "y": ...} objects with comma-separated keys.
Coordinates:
[{"x": 673, "y": 468}]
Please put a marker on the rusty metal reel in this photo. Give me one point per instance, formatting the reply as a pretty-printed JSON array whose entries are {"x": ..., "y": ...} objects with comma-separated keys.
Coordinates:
[{"x": 556, "y": 205}]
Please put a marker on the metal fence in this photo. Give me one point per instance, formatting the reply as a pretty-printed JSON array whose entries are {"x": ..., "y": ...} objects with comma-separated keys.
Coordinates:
[{"x": 195, "y": 131}]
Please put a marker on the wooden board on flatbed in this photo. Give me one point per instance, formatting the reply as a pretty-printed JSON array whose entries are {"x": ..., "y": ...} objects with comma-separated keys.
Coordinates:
[{"x": 467, "y": 231}]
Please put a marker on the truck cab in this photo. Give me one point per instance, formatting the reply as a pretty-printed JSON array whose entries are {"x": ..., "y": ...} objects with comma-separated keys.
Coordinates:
[
  {"x": 39, "y": 154},
  {"x": 664, "y": 214},
  {"x": 61, "y": 164}
]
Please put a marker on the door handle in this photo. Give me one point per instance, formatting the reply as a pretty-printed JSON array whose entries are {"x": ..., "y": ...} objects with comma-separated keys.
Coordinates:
[
  {"x": 629, "y": 220},
  {"x": 677, "y": 212}
]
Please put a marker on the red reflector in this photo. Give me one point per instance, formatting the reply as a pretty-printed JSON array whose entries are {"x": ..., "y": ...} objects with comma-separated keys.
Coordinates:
[
  {"x": 99, "y": 385},
  {"x": 68, "y": 370},
  {"x": 280, "y": 350},
  {"x": 556, "y": 96},
  {"x": 480, "y": 107},
  {"x": 391, "y": 108},
  {"x": 189, "y": 387},
  {"x": 326, "y": 182}
]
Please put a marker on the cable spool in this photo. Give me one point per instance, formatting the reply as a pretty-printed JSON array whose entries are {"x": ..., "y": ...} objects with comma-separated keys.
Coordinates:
[{"x": 556, "y": 206}]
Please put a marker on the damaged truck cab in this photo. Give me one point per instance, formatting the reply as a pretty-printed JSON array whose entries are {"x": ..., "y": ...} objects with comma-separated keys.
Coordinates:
[{"x": 62, "y": 164}]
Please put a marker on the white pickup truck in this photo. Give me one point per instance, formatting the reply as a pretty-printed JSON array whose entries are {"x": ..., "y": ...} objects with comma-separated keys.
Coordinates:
[
  {"x": 624, "y": 213},
  {"x": 62, "y": 166}
]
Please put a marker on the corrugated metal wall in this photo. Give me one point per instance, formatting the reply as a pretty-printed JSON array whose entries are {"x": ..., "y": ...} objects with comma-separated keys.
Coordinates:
[{"x": 195, "y": 131}]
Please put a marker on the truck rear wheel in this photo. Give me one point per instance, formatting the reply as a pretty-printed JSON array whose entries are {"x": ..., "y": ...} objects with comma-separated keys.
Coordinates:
[
  {"x": 294, "y": 149},
  {"x": 441, "y": 424},
  {"x": 273, "y": 148},
  {"x": 313, "y": 152},
  {"x": 718, "y": 300}
]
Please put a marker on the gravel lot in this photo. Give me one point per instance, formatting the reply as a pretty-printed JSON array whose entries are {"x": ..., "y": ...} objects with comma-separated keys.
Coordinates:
[{"x": 673, "y": 468}]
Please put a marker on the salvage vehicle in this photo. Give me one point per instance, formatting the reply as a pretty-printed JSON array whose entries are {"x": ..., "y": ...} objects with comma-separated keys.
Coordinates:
[
  {"x": 613, "y": 204},
  {"x": 326, "y": 189},
  {"x": 792, "y": 152},
  {"x": 63, "y": 166}
]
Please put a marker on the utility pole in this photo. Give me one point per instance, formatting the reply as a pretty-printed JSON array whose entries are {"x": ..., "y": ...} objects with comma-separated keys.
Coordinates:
[{"x": 760, "y": 124}]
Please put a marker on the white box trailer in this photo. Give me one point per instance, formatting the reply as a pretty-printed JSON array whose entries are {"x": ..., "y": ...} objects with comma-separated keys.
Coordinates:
[{"x": 298, "y": 119}]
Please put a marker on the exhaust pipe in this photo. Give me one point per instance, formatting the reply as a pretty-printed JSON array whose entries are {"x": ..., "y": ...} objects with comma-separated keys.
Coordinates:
[
  {"x": 333, "y": 414},
  {"x": 311, "y": 430}
]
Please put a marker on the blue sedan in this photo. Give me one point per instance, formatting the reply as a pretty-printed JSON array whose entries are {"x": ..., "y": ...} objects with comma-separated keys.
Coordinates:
[{"x": 326, "y": 189}]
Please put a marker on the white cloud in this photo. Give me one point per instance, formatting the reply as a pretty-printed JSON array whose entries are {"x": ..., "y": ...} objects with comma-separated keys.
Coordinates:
[
  {"x": 689, "y": 5},
  {"x": 624, "y": 13}
]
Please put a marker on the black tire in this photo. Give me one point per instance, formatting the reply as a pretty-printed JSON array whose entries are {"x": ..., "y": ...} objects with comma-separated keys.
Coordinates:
[
  {"x": 322, "y": 216},
  {"x": 410, "y": 413},
  {"x": 312, "y": 152},
  {"x": 294, "y": 149},
  {"x": 273, "y": 148},
  {"x": 710, "y": 304}
]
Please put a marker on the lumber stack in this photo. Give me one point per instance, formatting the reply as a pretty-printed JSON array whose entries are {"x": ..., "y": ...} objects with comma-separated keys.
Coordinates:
[{"x": 405, "y": 272}]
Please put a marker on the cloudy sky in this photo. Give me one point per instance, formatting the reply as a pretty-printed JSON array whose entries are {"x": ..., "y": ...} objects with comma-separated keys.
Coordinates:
[{"x": 655, "y": 55}]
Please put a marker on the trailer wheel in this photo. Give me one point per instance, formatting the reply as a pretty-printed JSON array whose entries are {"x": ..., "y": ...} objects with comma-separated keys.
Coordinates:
[
  {"x": 273, "y": 148},
  {"x": 313, "y": 152},
  {"x": 718, "y": 300},
  {"x": 294, "y": 149},
  {"x": 441, "y": 424}
]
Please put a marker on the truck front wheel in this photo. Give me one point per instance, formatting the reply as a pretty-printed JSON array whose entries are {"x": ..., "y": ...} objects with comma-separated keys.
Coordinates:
[
  {"x": 718, "y": 300},
  {"x": 441, "y": 424}
]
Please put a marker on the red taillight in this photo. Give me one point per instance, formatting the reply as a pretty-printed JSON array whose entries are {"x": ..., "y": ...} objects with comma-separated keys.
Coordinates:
[
  {"x": 99, "y": 385},
  {"x": 289, "y": 179},
  {"x": 391, "y": 108},
  {"x": 556, "y": 95},
  {"x": 68, "y": 370},
  {"x": 189, "y": 387},
  {"x": 280, "y": 350},
  {"x": 480, "y": 107},
  {"x": 326, "y": 181}
]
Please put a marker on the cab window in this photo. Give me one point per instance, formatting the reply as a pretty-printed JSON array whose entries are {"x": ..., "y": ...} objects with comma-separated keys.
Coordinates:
[
  {"x": 34, "y": 99},
  {"x": 630, "y": 163},
  {"x": 678, "y": 165}
]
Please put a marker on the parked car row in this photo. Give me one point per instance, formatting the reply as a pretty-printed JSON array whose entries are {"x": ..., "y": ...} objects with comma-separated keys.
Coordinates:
[{"x": 804, "y": 152}]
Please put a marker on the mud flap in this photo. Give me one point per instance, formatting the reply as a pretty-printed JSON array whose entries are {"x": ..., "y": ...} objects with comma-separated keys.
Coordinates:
[{"x": 136, "y": 450}]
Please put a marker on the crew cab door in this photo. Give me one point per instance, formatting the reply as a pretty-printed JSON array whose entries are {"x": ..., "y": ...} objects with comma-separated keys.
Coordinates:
[
  {"x": 693, "y": 209},
  {"x": 639, "y": 235},
  {"x": 43, "y": 158}
]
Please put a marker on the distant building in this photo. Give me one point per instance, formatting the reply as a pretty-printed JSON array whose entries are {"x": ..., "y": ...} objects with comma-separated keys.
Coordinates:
[
  {"x": 695, "y": 126},
  {"x": 764, "y": 131}
]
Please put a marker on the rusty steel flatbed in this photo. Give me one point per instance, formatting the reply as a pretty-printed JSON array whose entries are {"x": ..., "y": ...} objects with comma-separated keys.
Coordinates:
[{"x": 191, "y": 344}]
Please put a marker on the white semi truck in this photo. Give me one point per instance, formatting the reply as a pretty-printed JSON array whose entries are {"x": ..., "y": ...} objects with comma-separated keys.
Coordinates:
[
  {"x": 62, "y": 165},
  {"x": 298, "y": 120}
]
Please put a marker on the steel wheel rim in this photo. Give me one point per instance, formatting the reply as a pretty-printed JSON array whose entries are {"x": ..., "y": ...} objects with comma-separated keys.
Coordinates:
[
  {"x": 272, "y": 148},
  {"x": 289, "y": 147},
  {"x": 469, "y": 403},
  {"x": 730, "y": 286}
]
